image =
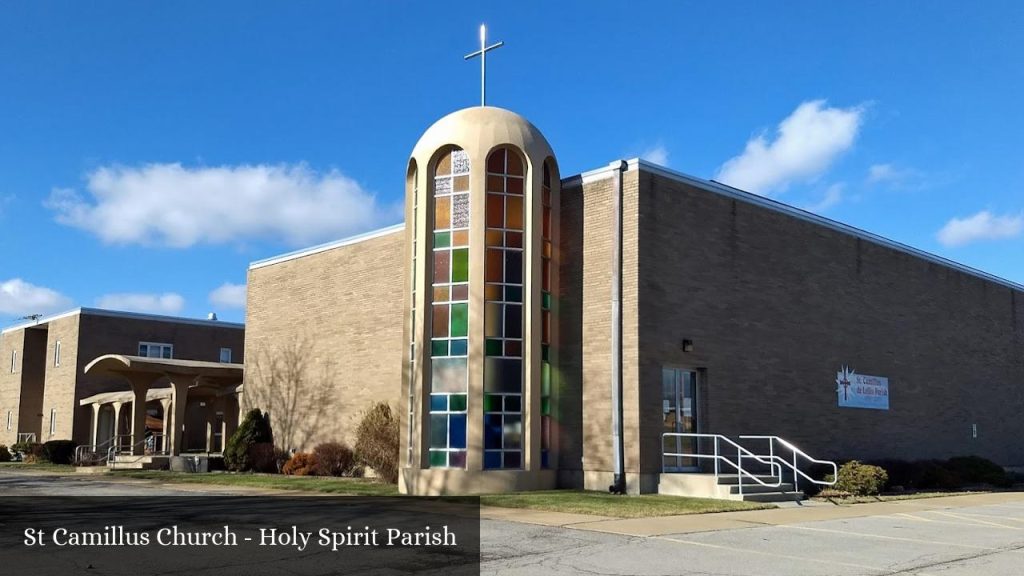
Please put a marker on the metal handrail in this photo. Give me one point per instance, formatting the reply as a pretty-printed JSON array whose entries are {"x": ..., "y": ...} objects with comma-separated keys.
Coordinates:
[
  {"x": 741, "y": 452},
  {"x": 27, "y": 437},
  {"x": 794, "y": 466},
  {"x": 118, "y": 449},
  {"x": 93, "y": 450}
]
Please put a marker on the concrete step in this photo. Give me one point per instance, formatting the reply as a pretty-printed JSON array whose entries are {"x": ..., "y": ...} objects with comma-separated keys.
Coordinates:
[
  {"x": 750, "y": 488},
  {"x": 774, "y": 497},
  {"x": 130, "y": 462},
  {"x": 725, "y": 479}
]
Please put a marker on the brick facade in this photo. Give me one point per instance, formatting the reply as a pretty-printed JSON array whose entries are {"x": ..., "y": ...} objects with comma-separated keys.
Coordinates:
[
  {"x": 775, "y": 305},
  {"x": 345, "y": 307},
  {"x": 42, "y": 387}
]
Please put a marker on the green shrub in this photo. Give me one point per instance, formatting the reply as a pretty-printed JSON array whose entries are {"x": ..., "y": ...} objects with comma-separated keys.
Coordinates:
[
  {"x": 21, "y": 447},
  {"x": 377, "y": 441},
  {"x": 254, "y": 429},
  {"x": 334, "y": 459},
  {"x": 33, "y": 454},
  {"x": 860, "y": 479},
  {"x": 5, "y": 454},
  {"x": 301, "y": 464},
  {"x": 978, "y": 470},
  {"x": 59, "y": 451}
]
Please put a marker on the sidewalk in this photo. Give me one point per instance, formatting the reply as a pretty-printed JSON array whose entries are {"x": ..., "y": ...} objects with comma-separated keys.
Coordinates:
[{"x": 690, "y": 523}]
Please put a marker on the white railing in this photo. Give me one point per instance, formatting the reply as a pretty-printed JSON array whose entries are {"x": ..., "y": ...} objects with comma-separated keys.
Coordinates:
[
  {"x": 87, "y": 454},
  {"x": 719, "y": 456},
  {"x": 153, "y": 445},
  {"x": 794, "y": 463},
  {"x": 29, "y": 437}
]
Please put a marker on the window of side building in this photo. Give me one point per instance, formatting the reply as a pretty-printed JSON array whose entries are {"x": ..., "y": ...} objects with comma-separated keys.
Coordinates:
[
  {"x": 225, "y": 355},
  {"x": 14, "y": 361},
  {"x": 53, "y": 421},
  {"x": 10, "y": 419},
  {"x": 56, "y": 353},
  {"x": 156, "y": 350}
]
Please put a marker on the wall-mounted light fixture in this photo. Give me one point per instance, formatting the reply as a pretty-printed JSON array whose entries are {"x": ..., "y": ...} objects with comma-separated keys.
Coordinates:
[{"x": 687, "y": 345}]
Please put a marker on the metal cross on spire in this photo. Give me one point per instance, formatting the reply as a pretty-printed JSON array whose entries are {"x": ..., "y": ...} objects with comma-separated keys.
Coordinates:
[{"x": 482, "y": 53}]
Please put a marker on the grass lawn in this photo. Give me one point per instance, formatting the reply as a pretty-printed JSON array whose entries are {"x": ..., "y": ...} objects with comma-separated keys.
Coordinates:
[
  {"x": 327, "y": 485},
  {"x": 604, "y": 504},
  {"x": 44, "y": 466},
  {"x": 892, "y": 497}
]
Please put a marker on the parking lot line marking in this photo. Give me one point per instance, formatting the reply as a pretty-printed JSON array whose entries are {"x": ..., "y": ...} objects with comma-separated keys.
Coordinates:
[
  {"x": 1010, "y": 518},
  {"x": 898, "y": 538},
  {"x": 918, "y": 518},
  {"x": 972, "y": 520},
  {"x": 775, "y": 555}
]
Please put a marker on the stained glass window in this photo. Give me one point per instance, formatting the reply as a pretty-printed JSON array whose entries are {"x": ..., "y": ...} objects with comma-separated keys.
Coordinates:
[
  {"x": 503, "y": 311},
  {"x": 545, "y": 313},
  {"x": 449, "y": 311}
]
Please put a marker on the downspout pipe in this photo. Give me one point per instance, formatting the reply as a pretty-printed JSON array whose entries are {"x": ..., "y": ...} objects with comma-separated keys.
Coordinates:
[{"x": 619, "y": 479}]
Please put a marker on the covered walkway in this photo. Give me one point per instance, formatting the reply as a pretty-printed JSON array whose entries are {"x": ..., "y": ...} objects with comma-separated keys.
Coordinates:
[{"x": 186, "y": 395}]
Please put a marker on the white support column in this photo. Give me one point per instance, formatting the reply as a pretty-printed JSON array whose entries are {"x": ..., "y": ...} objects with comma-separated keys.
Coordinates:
[
  {"x": 210, "y": 417},
  {"x": 139, "y": 389},
  {"x": 179, "y": 386},
  {"x": 116, "y": 443},
  {"x": 94, "y": 430},
  {"x": 165, "y": 445}
]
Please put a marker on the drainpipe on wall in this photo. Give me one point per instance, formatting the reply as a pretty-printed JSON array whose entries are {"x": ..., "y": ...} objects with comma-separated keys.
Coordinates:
[{"x": 619, "y": 481}]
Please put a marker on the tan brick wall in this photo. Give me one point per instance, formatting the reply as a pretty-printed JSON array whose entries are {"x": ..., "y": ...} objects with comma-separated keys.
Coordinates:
[
  {"x": 776, "y": 305},
  {"x": 585, "y": 359},
  {"x": 347, "y": 303},
  {"x": 10, "y": 384}
]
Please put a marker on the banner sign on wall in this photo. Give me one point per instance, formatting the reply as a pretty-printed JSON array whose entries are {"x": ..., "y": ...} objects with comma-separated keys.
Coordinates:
[{"x": 861, "y": 391}]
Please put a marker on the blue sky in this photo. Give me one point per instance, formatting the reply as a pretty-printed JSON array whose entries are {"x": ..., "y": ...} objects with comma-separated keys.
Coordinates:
[{"x": 150, "y": 151}]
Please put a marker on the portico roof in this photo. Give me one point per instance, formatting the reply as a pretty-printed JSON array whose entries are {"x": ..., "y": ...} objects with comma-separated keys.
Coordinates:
[
  {"x": 121, "y": 365},
  {"x": 125, "y": 396}
]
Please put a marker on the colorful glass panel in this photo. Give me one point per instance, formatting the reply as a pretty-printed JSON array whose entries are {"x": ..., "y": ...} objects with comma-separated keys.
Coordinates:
[
  {"x": 503, "y": 311},
  {"x": 449, "y": 346}
]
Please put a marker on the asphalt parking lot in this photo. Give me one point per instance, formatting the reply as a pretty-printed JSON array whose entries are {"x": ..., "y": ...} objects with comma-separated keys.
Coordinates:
[
  {"x": 961, "y": 536},
  {"x": 919, "y": 538}
]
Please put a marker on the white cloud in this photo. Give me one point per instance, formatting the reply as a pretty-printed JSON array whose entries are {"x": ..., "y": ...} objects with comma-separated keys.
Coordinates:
[
  {"x": 179, "y": 206},
  {"x": 883, "y": 173},
  {"x": 833, "y": 196},
  {"x": 19, "y": 298},
  {"x": 806, "y": 144},
  {"x": 656, "y": 155},
  {"x": 982, "y": 226},
  {"x": 894, "y": 176},
  {"x": 228, "y": 295},
  {"x": 167, "y": 303}
]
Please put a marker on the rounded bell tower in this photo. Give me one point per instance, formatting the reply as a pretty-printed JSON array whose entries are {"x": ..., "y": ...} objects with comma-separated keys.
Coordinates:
[{"x": 481, "y": 212}]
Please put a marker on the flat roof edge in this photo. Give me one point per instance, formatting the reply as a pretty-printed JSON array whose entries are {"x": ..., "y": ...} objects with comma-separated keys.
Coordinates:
[
  {"x": 775, "y": 205},
  {"x": 123, "y": 314},
  {"x": 327, "y": 246}
]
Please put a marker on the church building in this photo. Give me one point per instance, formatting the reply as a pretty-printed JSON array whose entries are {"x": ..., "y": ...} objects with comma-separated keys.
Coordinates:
[
  {"x": 536, "y": 330},
  {"x": 609, "y": 329}
]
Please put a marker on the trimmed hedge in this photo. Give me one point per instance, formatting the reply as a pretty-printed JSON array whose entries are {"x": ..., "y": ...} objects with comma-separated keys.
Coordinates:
[
  {"x": 59, "y": 451},
  {"x": 5, "y": 454},
  {"x": 952, "y": 474},
  {"x": 334, "y": 459}
]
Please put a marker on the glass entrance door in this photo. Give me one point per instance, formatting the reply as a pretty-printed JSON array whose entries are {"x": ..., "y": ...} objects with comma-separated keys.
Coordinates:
[{"x": 679, "y": 415}]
